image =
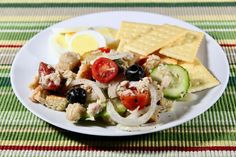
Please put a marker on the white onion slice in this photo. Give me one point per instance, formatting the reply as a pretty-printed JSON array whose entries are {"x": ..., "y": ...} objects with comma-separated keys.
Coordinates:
[
  {"x": 135, "y": 121},
  {"x": 115, "y": 56},
  {"x": 134, "y": 114},
  {"x": 111, "y": 91},
  {"x": 96, "y": 89},
  {"x": 111, "y": 56},
  {"x": 101, "y": 85}
]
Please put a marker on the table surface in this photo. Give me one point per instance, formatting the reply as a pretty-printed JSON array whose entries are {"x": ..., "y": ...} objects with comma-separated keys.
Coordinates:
[{"x": 213, "y": 133}]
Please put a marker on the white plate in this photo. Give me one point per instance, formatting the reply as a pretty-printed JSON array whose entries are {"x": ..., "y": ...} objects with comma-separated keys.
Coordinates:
[{"x": 26, "y": 62}]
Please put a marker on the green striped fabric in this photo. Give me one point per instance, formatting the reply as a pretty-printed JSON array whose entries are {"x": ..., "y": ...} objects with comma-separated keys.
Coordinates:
[{"x": 213, "y": 133}]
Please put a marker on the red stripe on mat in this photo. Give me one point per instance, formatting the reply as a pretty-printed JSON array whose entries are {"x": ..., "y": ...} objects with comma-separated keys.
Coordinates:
[
  {"x": 10, "y": 46},
  {"x": 18, "y": 46},
  {"x": 228, "y": 45},
  {"x": 91, "y": 148}
]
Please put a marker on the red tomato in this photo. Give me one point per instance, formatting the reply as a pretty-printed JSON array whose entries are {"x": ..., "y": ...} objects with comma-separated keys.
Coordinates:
[
  {"x": 104, "y": 70},
  {"x": 45, "y": 69},
  {"x": 51, "y": 86},
  {"x": 105, "y": 49},
  {"x": 131, "y": 102}
]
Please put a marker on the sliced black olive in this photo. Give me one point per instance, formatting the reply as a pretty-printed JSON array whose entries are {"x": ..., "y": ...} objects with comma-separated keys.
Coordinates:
[
  {"x": 134, "y": 73},
  {"x": 76, "y": 95}
]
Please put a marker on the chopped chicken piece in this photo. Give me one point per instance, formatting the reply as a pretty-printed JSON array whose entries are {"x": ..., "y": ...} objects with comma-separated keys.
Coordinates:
[
  {"x": 69, "y": 76},
  {"x": 141, "y": 85},
  {"x": 56, "y": 102},
  {"x": 74, "y": 111},
  {"x": 125, "y": 87},
  {"x": 91, "y": 95},
  {"x": 46, "y": 80},
  {"x": 122, "y": 87},
  {"x": 94, "y": 108},
  {"x": 68, "y": 61},
  {"x": 152, "y": 62}
]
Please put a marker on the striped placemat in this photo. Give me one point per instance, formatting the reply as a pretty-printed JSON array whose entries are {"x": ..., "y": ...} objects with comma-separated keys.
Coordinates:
[{"x": 213, "y": 133}]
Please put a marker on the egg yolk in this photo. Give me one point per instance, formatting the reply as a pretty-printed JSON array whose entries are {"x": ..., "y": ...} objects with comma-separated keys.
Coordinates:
[{"x": 84, "y": 43}]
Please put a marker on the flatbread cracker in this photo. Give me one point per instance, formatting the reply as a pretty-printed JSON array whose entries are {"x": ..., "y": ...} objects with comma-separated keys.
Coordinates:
[
  {"x": 121, "y": 46},
  {"x": 184, "y": 48},
  {"x": 131, "y": 30},
  {"x": 155, "y": 39},
  {"x": 200, "y": 77}
]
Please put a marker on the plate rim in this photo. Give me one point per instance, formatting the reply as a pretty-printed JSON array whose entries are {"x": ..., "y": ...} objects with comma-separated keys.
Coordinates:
[{"x": 177, "y": 123}]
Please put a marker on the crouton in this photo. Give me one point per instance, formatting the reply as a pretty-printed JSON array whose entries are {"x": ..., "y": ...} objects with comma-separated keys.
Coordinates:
[
  {"x": 68, "y": 61},
  {"x": 56, "y": 102},
  {"x": 39, "y": 95}
]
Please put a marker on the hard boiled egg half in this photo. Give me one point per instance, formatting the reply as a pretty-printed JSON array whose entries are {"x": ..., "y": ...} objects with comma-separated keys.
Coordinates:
[
  {"x": 86, "y": 41},
  {"x": 81, "y": 39}
]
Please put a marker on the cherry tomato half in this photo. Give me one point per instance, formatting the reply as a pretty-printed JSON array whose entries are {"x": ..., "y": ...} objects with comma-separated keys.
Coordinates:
[
  {"x": 45, "y": 69},
  {"x": 131, "y": 102},
  {"x": 105, "y": 49},
  {"x": 51, "y": 86},
  {"x": 104, "y": 70}
]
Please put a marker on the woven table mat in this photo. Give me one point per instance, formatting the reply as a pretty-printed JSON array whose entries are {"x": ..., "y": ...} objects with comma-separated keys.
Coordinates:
[{"x": 213, "y": 133}]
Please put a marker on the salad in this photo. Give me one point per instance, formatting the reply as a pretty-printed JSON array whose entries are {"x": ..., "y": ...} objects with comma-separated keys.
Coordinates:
[
  {"x": 117, "y": 88},
  {"x": 121, "y": 82}
]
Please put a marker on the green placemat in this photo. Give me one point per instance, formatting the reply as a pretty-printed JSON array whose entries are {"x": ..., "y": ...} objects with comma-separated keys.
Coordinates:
[{"x": 213, "y": 133}]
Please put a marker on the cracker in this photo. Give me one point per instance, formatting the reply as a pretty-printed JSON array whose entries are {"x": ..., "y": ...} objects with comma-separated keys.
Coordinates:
[
  {"x": 200, "y": 77},
  {"x": 121, "y": 46},
  {"x": 155, "y": 39},
  {"x": 184, "y": 48},
  {"x": 131, "y": 30}
]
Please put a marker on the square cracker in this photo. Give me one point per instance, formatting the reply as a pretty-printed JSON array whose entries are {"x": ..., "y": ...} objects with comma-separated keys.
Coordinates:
[
  {"x": 184, "y": 48},
  {"x": 133, "y": 29},
  {"x": 155, "y": 39},
  {"x": 200, "y": 77},
  {"x": 130, "y": 30}
]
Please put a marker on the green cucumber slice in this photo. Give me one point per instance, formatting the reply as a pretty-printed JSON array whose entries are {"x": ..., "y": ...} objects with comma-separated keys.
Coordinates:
[
  {"x": 120, "y": 108},
  {"x": 180, "y": 81}
]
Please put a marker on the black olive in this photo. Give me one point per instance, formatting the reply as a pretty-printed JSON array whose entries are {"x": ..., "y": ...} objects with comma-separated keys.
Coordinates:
[
  {"x": 134, "y": 73},
  {"x": 76, "y": 95}
]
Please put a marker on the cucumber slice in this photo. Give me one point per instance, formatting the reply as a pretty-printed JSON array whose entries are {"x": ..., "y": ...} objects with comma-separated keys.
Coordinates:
[
  {"x": 120, "y": 108},
  {"x": 180, "y": 81}
]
